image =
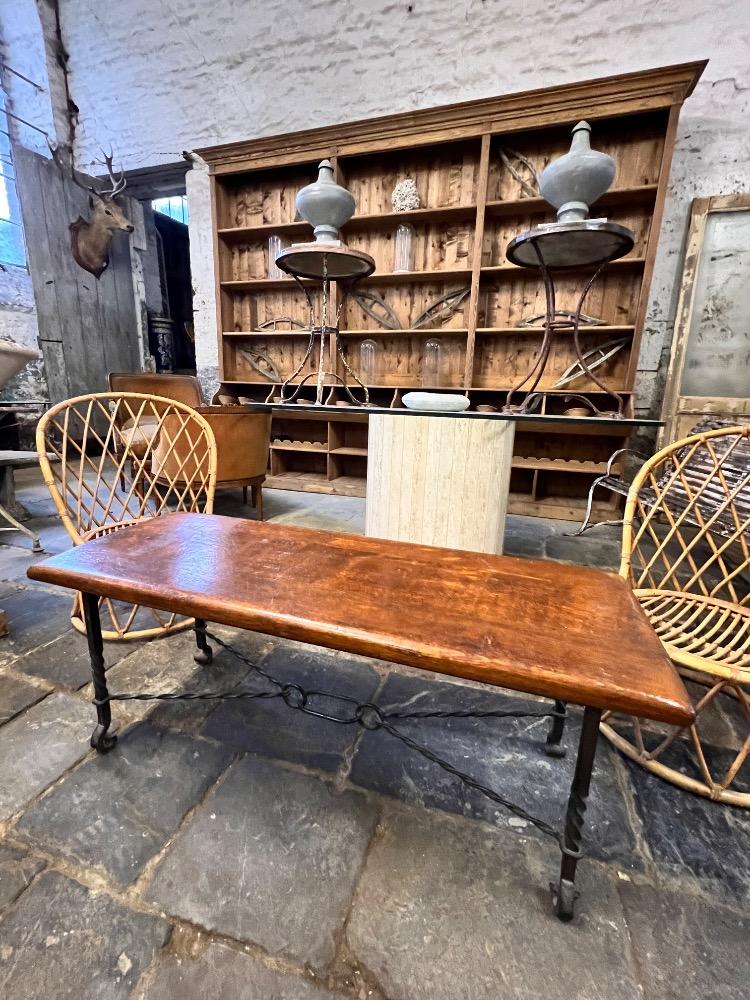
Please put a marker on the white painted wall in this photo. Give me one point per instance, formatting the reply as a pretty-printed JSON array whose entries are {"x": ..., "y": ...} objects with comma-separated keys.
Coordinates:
[{"x": 155, "y": 77}]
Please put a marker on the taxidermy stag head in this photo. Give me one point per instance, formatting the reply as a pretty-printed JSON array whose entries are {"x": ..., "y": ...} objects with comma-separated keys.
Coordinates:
[{"x": 91, "y": 239}]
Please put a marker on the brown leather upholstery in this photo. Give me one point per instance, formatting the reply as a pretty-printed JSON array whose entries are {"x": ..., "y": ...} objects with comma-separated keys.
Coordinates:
[
  {"x": 183, "y": 388},
  {"x": 242, "y": 437},
  {"x": 242, "y": 441}
]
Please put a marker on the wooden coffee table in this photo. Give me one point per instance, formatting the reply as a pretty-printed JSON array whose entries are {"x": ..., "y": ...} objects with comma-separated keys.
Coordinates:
[{"x": 568, "y": 633}]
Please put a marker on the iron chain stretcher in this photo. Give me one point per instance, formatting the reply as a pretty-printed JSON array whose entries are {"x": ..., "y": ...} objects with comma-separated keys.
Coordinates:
[{"x": 574, "y": 635}]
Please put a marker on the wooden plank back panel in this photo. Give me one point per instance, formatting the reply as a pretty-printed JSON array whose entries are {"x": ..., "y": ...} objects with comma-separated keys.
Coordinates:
[{"x": 88, "y": 324}]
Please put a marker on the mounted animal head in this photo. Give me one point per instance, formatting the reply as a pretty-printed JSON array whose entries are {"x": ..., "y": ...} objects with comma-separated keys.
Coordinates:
[{"x": 91, "y": 239}]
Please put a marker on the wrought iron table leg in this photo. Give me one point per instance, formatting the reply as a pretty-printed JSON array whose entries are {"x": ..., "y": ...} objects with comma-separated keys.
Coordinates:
[
  {"x": 564, "y": 893},
  {"x": 205, "y": 654},
  {"x": 101, "y": 739},
  {"x": 553, "y": 747}
]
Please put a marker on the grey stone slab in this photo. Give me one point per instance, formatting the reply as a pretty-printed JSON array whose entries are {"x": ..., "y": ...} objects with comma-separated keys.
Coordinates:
[
  {"x": 164, "y": 665},
  {"x": 690, "y": 836},
  {"x": 271, "y": 728},
  {"x": 65, "y": 661},
  {"x": 35, "y": 617},
  {"x": 60, "y": 940},
  {"x": 38, "y": 746},
  {"x": 17, "y": 694},
  {"x": 223, "y": 972},
  {"x": 587, "y": 550},
  {"x": 526, "y": 536},
  {"x": 224, "y": 673},
  {"x": 507, "y": 755},
  {"x": 16, "y": 872},
  {"x": 116, "y": 811},
  {"x": 685, "y": 946},
  {"x": 447, "y": 910},
  {"x": 291, "y": 850}
]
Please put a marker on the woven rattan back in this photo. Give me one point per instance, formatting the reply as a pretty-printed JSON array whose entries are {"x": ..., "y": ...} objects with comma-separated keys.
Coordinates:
[
  {"x": 122, "y": 457},
  {"x": 106, "y": 474},
  {"x": 687, "y": 518}
]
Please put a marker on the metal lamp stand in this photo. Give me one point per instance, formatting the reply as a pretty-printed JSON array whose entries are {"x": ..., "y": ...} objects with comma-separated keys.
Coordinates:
[
  {"x": 325, "y": 263},
  {"x": 554, "y": 249}
]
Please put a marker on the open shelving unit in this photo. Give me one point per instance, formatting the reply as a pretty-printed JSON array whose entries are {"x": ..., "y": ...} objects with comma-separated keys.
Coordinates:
[{"x": 472, "y": 206}]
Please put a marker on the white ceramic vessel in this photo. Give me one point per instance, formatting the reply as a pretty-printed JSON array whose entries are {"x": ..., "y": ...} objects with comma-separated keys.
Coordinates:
[
  {"x": 13, "y": 359},
  {"x": 575, "y": 180},
  {"x": 325, "y": 204},
  {"x": 447, "y": 402}
]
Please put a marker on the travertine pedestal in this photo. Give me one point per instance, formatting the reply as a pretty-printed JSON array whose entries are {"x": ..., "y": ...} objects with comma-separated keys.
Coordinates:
[{"x": 439, "y": 480}]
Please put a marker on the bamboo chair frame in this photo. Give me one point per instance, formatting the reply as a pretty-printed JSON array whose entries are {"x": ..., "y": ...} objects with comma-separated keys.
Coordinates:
[
  {"x": 104, "y": 481},
  {"x": 686, "y": 554}
]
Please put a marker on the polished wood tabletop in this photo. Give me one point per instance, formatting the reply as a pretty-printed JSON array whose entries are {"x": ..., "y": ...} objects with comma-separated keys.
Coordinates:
[{"x": 565, "y": 632}]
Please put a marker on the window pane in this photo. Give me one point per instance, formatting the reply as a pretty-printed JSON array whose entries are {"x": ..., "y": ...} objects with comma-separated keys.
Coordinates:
[
  {"x": 175, "y": 207},
  {"x": 717, "y": 359},
  {"x": 12, "y": 250},
  {"x": 10, "y": 208}
]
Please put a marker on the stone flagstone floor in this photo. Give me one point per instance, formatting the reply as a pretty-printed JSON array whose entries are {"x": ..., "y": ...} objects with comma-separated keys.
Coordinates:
[{"x": 240, "y": 850}]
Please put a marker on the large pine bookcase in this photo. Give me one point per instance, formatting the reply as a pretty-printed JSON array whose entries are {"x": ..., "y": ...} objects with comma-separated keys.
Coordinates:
[{"x": 471, "y": 207}]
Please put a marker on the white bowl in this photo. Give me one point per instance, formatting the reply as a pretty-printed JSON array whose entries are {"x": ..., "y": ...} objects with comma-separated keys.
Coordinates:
[{"x": 447, "y": 402}]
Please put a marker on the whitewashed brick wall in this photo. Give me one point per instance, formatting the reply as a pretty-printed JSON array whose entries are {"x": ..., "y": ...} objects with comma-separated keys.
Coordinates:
[{"x": 156, "y": 77}]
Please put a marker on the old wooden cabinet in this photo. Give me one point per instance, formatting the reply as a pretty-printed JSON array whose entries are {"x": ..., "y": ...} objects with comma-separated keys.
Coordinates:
[{"x": 472, "y": 205}]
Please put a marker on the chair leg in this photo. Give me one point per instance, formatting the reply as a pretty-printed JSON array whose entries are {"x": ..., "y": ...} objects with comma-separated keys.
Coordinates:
[
  {"x": 244, "y": 495},
  {"x": 101, "y": 739},
  {"x": 564, "y": 893},
  {"x": 36, "y": 545},
  {"x": 258, "y": 500}
]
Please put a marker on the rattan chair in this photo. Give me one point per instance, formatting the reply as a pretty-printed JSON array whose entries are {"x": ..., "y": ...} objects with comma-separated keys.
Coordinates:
[
  {"x": 105, "y": 480},
  {"x": 686, "y": 553}
]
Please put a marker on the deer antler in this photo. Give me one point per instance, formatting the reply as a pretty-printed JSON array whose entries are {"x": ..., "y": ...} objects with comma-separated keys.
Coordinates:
[
  {"x": 118, "y": 183},
  {"x": 70, "y": 169}
]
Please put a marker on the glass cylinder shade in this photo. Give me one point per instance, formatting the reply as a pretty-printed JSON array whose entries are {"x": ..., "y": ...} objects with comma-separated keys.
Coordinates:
[
  {"x": 275, "y": 245},
  {"x": 431, "y": 363},
  {"x": 367, "y": 361},
  {"x": 404, "y": 248}
]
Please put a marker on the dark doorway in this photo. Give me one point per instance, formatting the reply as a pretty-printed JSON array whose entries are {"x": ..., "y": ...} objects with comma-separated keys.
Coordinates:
[{"x": 177, "y": 287}]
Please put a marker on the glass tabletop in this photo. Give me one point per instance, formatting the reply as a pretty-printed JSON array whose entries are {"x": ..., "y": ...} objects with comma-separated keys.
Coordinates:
[{"x": 403, "y": 411}]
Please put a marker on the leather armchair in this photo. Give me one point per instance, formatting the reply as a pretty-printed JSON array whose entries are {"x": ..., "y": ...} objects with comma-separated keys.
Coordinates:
[{"x": 242, "y": 436}]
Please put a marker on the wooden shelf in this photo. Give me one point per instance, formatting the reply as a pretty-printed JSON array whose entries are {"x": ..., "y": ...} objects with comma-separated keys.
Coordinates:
[
  {"x": 346, "y": 450},
  {"x": 418, "y": 387},
  {"x": 489, "y": 331},
  {"x": 292, "y": 446},
  {"x": 560, "y": 465},
  {"x": 441, "y": 331},
  {"x": 506, "y": 270},
  {"x": 447, "y": 331},
  {"x": 349, "y": 486},
  {"x": 446, "y": 213},
  {"x": 318, "y": 482},
  {"x": 562, "y": 508},
  {"x": 411, "y": 277},
  {"x": 533, "y": 206},
  {"x": 377, "y": 220},
  {"x": 266, "y": 333}
]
